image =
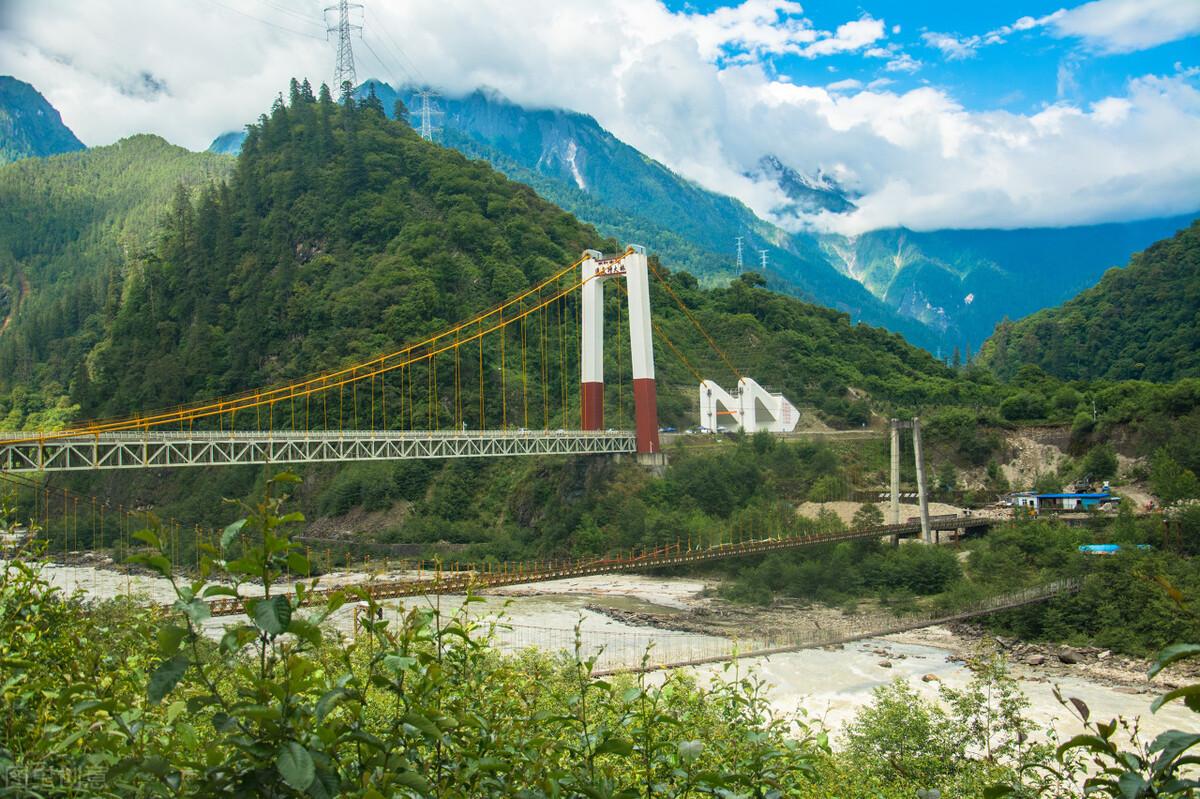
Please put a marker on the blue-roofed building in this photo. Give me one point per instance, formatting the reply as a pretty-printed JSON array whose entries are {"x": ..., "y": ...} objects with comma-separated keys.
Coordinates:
[{"x": 1072, "y": 501}]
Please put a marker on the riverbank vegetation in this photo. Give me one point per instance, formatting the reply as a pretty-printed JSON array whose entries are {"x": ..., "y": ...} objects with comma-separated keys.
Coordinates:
[{"x": 109, "y": 698}]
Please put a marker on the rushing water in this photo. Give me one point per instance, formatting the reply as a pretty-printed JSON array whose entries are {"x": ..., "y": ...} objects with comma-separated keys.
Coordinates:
[{"x": 828, "y": 684}]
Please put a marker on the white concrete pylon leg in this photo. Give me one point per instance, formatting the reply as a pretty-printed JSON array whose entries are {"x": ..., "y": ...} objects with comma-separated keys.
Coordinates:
[
  {"x": 591, "y": 388},
  {"x": 718, "y": 409},
  {"x": 641, "y": 342}
]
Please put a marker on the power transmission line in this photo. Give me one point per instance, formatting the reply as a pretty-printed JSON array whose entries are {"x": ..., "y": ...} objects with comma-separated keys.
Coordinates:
[
  {"x": 264, "y": 22},
  {"x": 739, "y": 255},
  {"x": 401, "y": 56},
  {"x": 292, "y": 13}
]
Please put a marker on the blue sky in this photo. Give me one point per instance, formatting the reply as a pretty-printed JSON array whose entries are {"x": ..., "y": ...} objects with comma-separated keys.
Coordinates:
[
  {"x": 962, "y": 114},
  {"x": 1029, "y": 70}
]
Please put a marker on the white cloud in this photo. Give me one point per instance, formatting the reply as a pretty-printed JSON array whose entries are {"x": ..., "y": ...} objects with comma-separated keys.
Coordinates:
[
  {"x": 844, "y": 85},
  {"x": 851, "y": 36},
  {"x": 953, "y": 47},
  {"x": 670, "y": 84},
  {"x": 903, "y": 63},
  {"x": 1123, "y": 26},
  {"x": 1106, "y": 26}
]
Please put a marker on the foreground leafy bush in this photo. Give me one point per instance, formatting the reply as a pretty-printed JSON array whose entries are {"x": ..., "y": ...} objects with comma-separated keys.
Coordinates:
[{"x": 275, "y": 704}]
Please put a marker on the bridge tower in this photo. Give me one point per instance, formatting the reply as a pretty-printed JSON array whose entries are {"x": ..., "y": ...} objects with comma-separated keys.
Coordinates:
[{"x": 633, "y": 267}]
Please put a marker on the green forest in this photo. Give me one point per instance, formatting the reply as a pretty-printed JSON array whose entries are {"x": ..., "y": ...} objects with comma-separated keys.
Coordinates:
[
  {"x": 1137, "y": 323},
  {"x": 140, "y": 276}
]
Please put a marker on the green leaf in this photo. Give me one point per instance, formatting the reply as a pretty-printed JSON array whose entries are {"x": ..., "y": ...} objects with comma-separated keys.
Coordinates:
[
  {"x": 166, "y": 677},
  {"x": 286, "y": 477},
  {"x": 298, "y": 564},
  {"x": 158, "y": 563},
  {"x": 325, "y": 786},
  {"x": 327, "y": 702},
  {"x": 996, "y": 791},
  {"x": 423, "y": 724},
  {"x": 230, "y": 533},
  {"x": 1186, "y": 692},
  {"x": 219, "y": 590},
  {"x": 1173, "y": 743},
  {"x": 169, "y": 637},
  {"x": 149, "y": 537},
  {"x": 1085, "y": 741},
  {"x": 273, "y": 615},
  {"x": 398, "y": 663},
  {"x": 295, "y": 765},
  {"x": 411, "y": 779},
  {"x": 196, "y": 610},
  {"x": 1131, "y": 785},
  {"x": 615, "y": 746},
  {"x": 690, "y": 750},
  {"x": 305, "y": 631},
  {"x": 1171, "y": 655},
  {"x": 292, "y": 518}
]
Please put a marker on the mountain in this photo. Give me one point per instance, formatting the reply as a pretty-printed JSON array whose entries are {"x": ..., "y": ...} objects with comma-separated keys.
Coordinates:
[
  {"x": 806, "y": 195},
  {"x": 342, "y": 234},
  {"x": 73, "y": 228},
  {"x": 942, "y": 289},
  {"x": 575, "y": 163},
  {"x": 228, "y": 143},
  {"x": 29, "y": 125},
  {"x": 962, "y": 282},
  {"x": 1141, "y": 322}
]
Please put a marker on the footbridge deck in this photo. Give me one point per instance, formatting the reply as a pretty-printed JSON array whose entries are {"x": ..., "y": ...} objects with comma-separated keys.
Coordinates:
[{"x": 483, "y": 577}]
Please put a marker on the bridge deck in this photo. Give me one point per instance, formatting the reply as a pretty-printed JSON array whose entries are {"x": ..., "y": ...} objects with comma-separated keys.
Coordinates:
[{"x": 31, "y": 452}]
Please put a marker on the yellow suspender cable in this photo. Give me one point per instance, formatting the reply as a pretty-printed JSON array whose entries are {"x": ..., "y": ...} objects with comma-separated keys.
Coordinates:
[
  {"x": 503, "y": 377},
  {"x": 697, "y": 325},
  {"x": 524, "y": 375},
  {"x": 543, "y": 326}
]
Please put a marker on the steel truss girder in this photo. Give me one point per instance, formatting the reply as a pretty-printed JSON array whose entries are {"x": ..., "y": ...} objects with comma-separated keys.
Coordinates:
[{"x": 26, "y": 452}]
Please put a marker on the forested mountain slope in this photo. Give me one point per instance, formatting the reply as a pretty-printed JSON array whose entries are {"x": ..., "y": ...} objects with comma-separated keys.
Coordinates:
[
  {"x": 342, "y": 234},
  {"x": 1141, "y": 322},
  {"x": 72, "y": 228},
  {"x": 29, "y": 125}
]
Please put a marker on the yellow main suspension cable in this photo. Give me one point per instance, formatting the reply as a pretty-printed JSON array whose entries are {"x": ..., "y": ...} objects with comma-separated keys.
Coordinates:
[
  {"x": 259, "y": 397},
  {"x": 703, "y": 332}
]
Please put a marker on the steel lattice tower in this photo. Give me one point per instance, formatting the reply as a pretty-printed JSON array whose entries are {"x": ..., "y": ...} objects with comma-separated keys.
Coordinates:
[
  {"x": 427, "y": 112},
  {"x": 343, "y": 70}
]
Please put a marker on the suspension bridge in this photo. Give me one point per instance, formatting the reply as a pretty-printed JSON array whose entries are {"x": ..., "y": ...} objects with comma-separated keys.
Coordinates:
[
  {"x": 498, "y": 384},
  {"x": 526, "y": 377}
]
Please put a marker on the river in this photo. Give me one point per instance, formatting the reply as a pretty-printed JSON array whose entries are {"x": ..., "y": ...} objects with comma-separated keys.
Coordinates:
[{"x": 828, "y": 684}]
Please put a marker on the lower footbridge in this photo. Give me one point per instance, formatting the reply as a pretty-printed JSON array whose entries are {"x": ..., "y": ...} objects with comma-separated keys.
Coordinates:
[
  {"x": 34, "y": 452},
  {"x": 620, "y": 652},
  {"x": 491, "y": 575}
]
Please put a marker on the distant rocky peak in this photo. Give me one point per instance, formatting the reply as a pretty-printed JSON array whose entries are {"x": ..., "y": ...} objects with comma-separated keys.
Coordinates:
[
  {"x": 807, "y": 194},
  {"x": 29, "y": 125}
]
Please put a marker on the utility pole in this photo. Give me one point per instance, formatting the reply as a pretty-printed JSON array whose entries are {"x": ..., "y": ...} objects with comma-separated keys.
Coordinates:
[
  {"x": 922, "y": 494},
  {"x": 426, "y": 112},
  {"x": 343, "y": 71},
  {"x": 739, "y": 255},
  {"x": 894, "y": 515}
]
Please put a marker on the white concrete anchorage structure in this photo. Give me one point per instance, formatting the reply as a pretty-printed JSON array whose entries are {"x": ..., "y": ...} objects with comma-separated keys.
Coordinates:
[
  {"x": 632, "y": 266},
  {"x": 753, "y": 409}
]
